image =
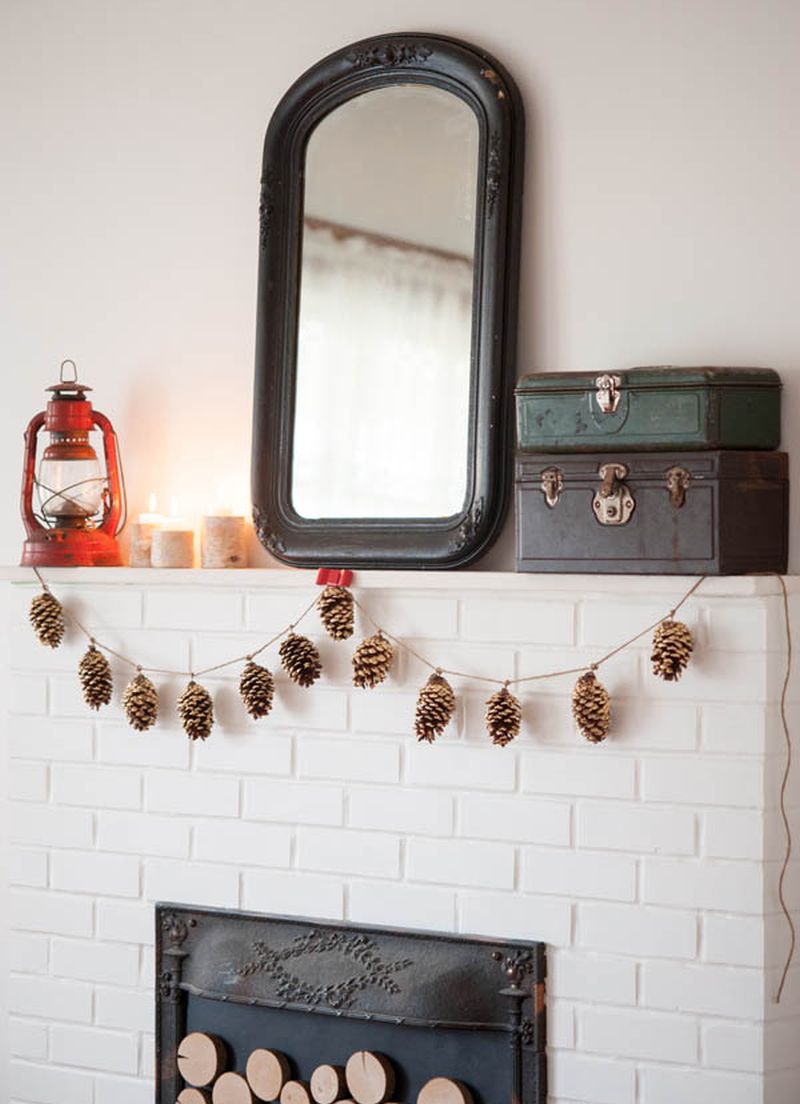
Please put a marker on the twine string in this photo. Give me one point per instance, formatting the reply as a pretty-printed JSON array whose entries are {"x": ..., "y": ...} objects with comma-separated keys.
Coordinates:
[
  {"x": 435, "y": 667},
  {"x": 650, "y": 628},
  {"x": 71, "y": 617},
  {"x": 527, "y": 678},
  {"x": 782, "y": 798},
  {"x": 403, "y": 644}
]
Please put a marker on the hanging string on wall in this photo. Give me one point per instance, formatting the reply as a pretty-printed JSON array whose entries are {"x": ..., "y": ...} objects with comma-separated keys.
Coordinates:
[{"x": 671, "y": 651}]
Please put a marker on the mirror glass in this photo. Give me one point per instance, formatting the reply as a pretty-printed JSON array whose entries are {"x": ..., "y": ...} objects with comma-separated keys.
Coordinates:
[{"x": 383, "y": 380}]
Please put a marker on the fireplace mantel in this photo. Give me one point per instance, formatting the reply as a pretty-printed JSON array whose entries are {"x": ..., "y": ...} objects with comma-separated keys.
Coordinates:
[{"x": 506, "y": 582}]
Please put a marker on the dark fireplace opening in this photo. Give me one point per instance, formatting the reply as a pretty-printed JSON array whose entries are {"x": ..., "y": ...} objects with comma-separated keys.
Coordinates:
[{"x": 463, "y": 1008}]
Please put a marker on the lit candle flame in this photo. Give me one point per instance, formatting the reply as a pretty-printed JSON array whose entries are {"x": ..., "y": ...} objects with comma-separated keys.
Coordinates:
[{"x": 151, "y": 516}]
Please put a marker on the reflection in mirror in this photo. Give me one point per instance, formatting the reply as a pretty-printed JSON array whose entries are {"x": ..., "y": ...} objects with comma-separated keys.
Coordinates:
[{"x": 382, "y": 399}]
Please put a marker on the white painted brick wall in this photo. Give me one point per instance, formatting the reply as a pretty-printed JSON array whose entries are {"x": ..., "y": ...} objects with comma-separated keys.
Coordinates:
[
  {"x": 641, "y": 863},
  {"x": 643, "y": 931}
]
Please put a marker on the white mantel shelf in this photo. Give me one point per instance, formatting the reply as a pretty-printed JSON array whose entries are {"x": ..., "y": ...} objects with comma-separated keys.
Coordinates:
[{"x": 506, "y": 581}]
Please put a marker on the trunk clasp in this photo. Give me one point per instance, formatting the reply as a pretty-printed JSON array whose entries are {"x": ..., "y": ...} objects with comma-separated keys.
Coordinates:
[
  {"x": 613, "y": 502},
  {"x": 552, "y": 485},
  {"x": 678, "y": 480},
  {"x": 607, "y": 393}
]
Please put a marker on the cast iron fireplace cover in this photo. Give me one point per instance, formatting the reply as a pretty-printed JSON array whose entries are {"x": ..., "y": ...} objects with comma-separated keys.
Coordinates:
[{"x": 437, "y": 1005}]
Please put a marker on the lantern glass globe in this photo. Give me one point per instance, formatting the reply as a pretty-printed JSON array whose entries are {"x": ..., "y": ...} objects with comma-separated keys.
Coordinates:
[{"x": 70, "y": 488}]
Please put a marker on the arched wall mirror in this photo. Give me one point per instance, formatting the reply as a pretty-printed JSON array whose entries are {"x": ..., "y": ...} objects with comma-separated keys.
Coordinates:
[{"x": 389, "y": 227}]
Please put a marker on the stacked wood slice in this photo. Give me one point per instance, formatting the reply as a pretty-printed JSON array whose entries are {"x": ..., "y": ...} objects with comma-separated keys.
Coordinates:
[
  {"x": 201, "y": 1059},
  {"x": 443, "y": 1090},
  {"x": 267, "y": 1072},
  {"x": 367, "y": 1078},
  {"x": 232, "y": 1088},
  {"x": 295, "y": 1092},
  {"x": 370, "y": 1077},
  {"x": 327, "y": 1084}
]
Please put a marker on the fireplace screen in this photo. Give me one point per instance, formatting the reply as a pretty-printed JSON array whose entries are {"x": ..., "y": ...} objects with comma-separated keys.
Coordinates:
[{"x": 394, "y": 1015}]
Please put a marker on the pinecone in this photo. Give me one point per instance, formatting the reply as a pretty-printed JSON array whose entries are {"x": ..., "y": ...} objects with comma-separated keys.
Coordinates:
[
  {"x": 300, "y": 659},
  {"x": 140, "y": 702},
  {"x": 503, "y": 717},
  {"x": 591, "y": 708},
  {"x": 95, "y": 675},
  {"x": 435, "y": 706},
  {"x": 335, "y": 606},
  {"x": 372, "y": 660},
  {"x": 672, "y": 650},
  {"x": 47, "y": 618},
  {"x": 256, "y": 688},
  {"x": 196, "y": 711}
]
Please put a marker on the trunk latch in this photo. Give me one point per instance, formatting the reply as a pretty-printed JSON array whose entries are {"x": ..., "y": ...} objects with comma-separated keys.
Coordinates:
[
  {"x": 552, "y": 485},
  {"x": 678, "y": 480},
  {"x": 607, "y": 393},
  {"x": 613, "y": 502}
]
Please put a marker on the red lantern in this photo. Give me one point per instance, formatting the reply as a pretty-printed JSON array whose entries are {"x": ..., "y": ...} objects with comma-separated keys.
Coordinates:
[{"x": 79, "y": 510}]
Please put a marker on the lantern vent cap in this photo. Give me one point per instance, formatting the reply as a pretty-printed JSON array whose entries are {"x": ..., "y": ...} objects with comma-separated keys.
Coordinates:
[{"x": 66, "y": 386}]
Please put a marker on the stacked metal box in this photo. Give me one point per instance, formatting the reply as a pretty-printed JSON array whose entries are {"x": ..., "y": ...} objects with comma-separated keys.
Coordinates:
[{"x": 652, "y": 470}]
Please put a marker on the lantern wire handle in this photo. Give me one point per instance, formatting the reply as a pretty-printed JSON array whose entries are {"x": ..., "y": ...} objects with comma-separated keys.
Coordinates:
[
  {"x": 64, "y": 364},
  {"x": 123, "y": 518}
]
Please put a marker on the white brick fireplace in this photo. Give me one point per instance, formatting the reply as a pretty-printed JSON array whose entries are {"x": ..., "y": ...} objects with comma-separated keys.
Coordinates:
[{"x": 649, "y": 864}]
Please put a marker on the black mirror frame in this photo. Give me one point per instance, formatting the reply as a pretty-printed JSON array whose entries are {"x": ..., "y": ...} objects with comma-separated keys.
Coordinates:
[{"x": 385, "y": 542}]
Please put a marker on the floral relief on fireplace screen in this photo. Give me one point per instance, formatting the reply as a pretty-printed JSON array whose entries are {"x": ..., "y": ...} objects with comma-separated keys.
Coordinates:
[
  {"x": 353, "y": 946},
  {"x": 465, "y": 1009}
]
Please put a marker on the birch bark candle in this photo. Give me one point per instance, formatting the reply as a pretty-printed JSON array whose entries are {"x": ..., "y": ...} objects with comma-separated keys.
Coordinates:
[
  {"x": 141, "y": 543},
  {"x": 222, "y": 541},
  {"x": 142, "y": 535},
  {"x": 173, "y": 546}
]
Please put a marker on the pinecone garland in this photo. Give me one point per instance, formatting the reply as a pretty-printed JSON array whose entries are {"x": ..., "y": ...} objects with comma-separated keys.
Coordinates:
[
  {"x": 196, "y": 711},
  {"x": 256, "y": 688},
  {"x": 435, "y": 706},
  {"x": 47, "y": 618},
  {"x": 335, "y": 606},
  {"x": 503, "y": 717},
  {"x": 300, "y": 659},
  {"x": 94, "y": 673},
  {"x": 672, "y": 649},
  {"x": 591, "y": 708},
  {"x": 140, "y": 702},
  {"x": 372, "y": 660}
]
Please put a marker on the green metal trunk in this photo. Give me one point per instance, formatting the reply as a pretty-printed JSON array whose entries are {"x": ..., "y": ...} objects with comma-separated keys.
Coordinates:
[{"x": 649, "y": 409}]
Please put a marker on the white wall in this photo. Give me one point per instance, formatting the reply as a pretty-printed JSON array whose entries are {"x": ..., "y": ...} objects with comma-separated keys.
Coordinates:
[
  {"x": 648, "y": 864},
  {"x": 661, "y": 219}
]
